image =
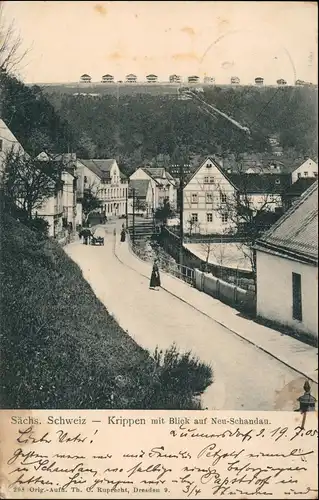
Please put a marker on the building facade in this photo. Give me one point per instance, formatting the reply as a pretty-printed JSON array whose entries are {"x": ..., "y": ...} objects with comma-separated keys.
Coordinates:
[
  {"x": 174, "y": 79},
  {"x": 210, "y": 196},
  {"x": 287, "y": 267},
  {"x": 107, "y": 79},
  {"x": 162, "y": 184},
  {"x": 131, "y": 78},
  {"x": 140, "y": 199},
  {"x": 152, "y": 78},
  {"x": 104, "y": 178},
  {"x": 85, "y": 78},
  {"x": 193, "y": 79},
  {"x": 309, "y": 168}
]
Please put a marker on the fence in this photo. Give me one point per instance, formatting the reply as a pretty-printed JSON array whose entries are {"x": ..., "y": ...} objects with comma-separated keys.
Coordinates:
[
  {"x": 230, "y": 294},
  {"x": 169, "y": 266},
  {"x": 240, "y": 277}
]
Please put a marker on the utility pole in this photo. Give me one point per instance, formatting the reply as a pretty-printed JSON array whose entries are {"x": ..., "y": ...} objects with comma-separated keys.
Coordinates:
[
  {"x": 133, "y": 235},
  {"x": 126, "y": 206},
  {"x": 181, "y": 211}
]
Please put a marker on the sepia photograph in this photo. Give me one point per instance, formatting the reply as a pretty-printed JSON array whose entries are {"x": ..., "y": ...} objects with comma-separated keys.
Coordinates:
[{"x": 158, "y": 206}]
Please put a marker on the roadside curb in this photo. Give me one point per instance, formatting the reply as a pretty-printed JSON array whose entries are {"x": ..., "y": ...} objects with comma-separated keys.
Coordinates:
[{"x": 208, "y": 316}]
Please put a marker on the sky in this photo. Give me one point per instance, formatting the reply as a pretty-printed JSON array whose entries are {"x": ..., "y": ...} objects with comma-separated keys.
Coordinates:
[{"x": 218, "y": 39}]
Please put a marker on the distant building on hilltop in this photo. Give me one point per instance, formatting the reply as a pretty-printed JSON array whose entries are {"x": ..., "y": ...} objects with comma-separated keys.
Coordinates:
[
  {"x": 85, "y": 78},
  {"x": 235, "y": 80},
  {"x": 152, "y": 78},
  {"x": 131, "y": 78},
  {"x": 259, "y": 80},
  {"x": 281, "y": 81},
  {"x": 174, "y": 79},
  {"x": 209, "y": 79},
  {"x": 107, "y": 79},
  {"x": 193, "y": 79}
]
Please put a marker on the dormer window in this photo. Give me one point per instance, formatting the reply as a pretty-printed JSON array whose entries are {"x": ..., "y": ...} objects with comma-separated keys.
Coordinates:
[{"x": 277, "y": 181}]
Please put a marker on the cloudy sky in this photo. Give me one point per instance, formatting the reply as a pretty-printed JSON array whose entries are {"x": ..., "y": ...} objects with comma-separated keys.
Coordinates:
[{"x": 220, "y": 39}]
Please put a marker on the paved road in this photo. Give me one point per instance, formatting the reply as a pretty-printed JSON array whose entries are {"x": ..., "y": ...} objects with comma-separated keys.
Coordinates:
[{"x": 245, "y": 377}]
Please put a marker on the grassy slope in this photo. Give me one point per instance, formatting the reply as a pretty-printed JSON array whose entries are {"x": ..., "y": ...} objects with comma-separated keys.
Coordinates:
[{"x": 61, "y": 349}]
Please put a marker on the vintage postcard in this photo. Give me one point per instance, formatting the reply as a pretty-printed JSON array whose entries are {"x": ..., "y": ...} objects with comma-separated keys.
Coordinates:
[{"x": 159, "y": 249}]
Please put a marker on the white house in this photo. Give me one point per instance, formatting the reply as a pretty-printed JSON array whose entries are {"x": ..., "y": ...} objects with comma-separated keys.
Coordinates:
[
  {"x": 163, "y": 185},
  {"x": 85, "y": 78},
  {"x": 308, "y": 168},
  {"x": 209, "y": 80},
  {"x": 174, "y": 79},
  {"x": 60, "y": 210},
  {"x": 193, "y": 79},
  {"x": 8, "y": 143},
  {"x": 210, "y": 188},
  {"x": 104, "y": 178},
  {"x": 107, "y": 79},
  {"x": 131, "y": 78},
  {"x": 287, "y": 267},
  {"x": 152, "y": 78},
  {"x": 235, "y": 80},
  {"x": 140, "y": 197}
]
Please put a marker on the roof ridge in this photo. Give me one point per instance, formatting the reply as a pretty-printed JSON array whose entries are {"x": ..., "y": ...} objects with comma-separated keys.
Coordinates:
[{"x": 291, "y": 210}]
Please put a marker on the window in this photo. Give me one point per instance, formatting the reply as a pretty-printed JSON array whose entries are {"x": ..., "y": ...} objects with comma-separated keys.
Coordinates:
[
  {"x": 315, "y": 174},
  {"x": 277, "y": 181},
  {"x": 1, "y": 144},
  {"x": 209, "y": 217},
  {"x": 194, "y": 217},
  {"x": 211, "y": 180},
  {"x": 224, "y": 218},
  {"x": 296, "y": 297},
  {"x": 299, "y": 175},
  {"x": 206, "y": 180},
  {"x": 305, "y": 174},
  {"x": 85, "y": 179},
  {"x": 223, "y": 198},
  {"x": 194, "y": 198},
  {"x": 209, "y": 198},
  {"x": 209, "y": 165}
]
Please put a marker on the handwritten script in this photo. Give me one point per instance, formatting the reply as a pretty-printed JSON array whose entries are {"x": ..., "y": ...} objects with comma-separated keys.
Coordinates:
[{"x": 53, "y": 454}]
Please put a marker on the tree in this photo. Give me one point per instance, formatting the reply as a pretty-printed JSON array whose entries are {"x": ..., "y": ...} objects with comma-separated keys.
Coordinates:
[
  {"x": 11, "y": 52},
  {"x": 246, "y": 216},
  {"x": 90, "y": 202},
  {"x": 217, "y": 249},
  {"x": 192, "y": 224},
  {"x": 27, "y": 183},
  {"x": 163, "y": 213}
]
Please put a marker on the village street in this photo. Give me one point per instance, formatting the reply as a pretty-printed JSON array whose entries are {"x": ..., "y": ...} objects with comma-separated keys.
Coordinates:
[{"x": 245, "y": 377}]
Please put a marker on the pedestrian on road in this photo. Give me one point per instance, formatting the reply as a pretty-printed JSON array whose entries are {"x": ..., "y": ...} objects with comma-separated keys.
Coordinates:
[
  {"x": 123, "y": 235},
  {"x": 155, "y": 281}
]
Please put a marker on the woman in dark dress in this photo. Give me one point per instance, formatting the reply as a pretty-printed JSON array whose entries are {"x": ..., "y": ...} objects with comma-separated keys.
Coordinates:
[
  {"x": 155, "y": 281},
  {"x": 123, "y": 234}
]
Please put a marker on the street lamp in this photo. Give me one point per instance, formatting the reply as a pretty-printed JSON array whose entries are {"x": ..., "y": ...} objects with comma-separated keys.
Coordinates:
[{"x": 307, "y": 402}]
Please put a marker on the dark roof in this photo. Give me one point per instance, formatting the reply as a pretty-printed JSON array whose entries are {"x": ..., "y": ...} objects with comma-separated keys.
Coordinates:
[
  {"x": 85, "y": 75},
  {"x": 141, "y": 187},
  {"x": 300, "y": 186},
  {"x": 262, "y": 162},
  {"x": 100, "y": 167},
  {"x": 295, "y": 234},
  {"x": 250, "y": 183},
  {"x": 148, "y": 76},
  {"x": 104, "y": 76},
  {"x": 260, "y": 183}
]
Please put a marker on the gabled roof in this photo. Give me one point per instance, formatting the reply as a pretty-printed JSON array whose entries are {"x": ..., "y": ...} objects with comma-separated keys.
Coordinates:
[
  {"x": 295, "y": 234},
  {"x": 85, "y": 76},
  {"x": 131, "y": 74},
  {"x": 141, "y": 187},
  {"x": 99, "y": 167},
  {"x": 106, "y": 76},
  {"x": 153, "y": 76},
  {"x": 300, "y": 186}
]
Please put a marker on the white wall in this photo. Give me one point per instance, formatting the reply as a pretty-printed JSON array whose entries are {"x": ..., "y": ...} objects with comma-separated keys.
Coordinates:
[
  {"x": 274, "y": 291},
  {"x": 309, "y": 167},
  {"x": 140, "y": 174},
  {"x": 197, "y": 185}
]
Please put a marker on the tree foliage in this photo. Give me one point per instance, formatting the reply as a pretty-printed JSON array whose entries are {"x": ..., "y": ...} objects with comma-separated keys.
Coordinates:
[
  {"x": 27, "y": 183},
  {"x": 146, "y": 128}
]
